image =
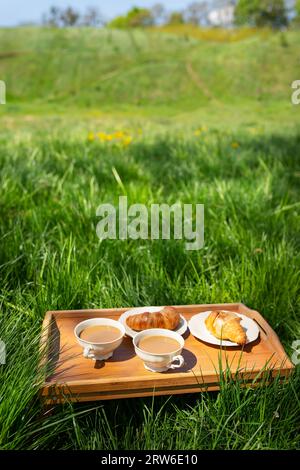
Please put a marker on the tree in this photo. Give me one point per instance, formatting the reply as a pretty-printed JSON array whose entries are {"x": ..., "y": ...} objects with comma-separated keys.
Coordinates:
[
  {"x": 53, "y": 17},
  {"x": 136, "y": 17},
  {"x": 158, "y": 13},
  {"x": 92, "y": 17},
  {"x": 261, "y": 13},
  {"x": 140, "y": 17},
  {"x": 295, "y": 10},
  {"x": 69, "y": 17},
  {"x": 197, "y": 13},
  {"x": 59, "y": 17},
  {"x": 176, "y": 17}
]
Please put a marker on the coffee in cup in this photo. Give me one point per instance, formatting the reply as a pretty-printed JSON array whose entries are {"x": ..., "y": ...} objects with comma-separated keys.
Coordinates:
[{"x": 160, "y": 349}]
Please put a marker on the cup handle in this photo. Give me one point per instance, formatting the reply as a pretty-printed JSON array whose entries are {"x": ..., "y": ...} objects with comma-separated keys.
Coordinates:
[
  {"x": 87, "y": 352},
  {"x": 180, "y": 363}
]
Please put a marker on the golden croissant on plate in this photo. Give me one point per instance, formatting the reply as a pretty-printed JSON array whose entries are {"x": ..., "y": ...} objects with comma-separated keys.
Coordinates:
[
  {"x": 227, "y": 326},
  {"x": 168, "y": 318}
]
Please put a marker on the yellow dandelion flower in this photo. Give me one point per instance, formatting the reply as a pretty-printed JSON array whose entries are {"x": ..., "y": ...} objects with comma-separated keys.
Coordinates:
[
  {"x": 118, "y": 134},
  {"x": 235, "y": 145},
  {"x": 200, "y": 130},
  {"x": 101, "y": 136},
  {"x": 127, "y": 140},
  {"x": 91, "y": 136},
  {"x": 109, "y": 137}
]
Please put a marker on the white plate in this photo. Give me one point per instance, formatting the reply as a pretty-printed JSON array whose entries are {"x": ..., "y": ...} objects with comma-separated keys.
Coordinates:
[
  {"x": 181, "y": 328},
  {"x": 198, "y": 329}
]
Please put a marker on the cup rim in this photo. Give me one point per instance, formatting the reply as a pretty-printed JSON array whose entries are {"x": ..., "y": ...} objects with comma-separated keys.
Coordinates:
[
  {"x": 120, "y": 327},
  {"x": 161, "y": 334}
]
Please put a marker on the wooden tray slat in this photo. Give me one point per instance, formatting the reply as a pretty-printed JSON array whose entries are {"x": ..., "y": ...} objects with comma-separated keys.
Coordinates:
[{"x": 124, "y": 375}]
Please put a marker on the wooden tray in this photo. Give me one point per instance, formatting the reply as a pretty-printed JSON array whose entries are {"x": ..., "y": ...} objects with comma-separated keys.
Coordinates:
[{"x": 124, "y": 375}]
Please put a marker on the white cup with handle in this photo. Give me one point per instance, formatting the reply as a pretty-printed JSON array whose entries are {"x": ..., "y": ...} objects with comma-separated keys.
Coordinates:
[
  {"x": 103, "y": 350},
  {"x": 160, "y": 361}
]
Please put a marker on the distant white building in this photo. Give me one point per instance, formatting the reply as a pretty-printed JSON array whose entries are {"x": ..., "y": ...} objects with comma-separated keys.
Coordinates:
[{"x": 222, "y": 16}]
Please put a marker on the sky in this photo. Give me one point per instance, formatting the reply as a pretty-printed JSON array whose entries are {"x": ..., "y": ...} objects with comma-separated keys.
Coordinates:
[{"x": 15, "y": 12}]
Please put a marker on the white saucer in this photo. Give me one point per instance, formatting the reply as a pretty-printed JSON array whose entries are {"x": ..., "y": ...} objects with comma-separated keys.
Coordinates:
[
  {"x": 198, "y": 329},
  {"x": 181, "y": 328}
]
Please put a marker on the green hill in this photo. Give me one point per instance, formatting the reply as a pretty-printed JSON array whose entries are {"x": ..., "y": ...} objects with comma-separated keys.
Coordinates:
[
  {"x": 147, "y": 73},
  {"x": 92, "y": 67}
]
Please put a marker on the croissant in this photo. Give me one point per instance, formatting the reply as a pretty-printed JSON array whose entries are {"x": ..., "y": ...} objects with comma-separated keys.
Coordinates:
[
  {"x": 226, "y": 325},
  {"x": 168, "y": 318}
]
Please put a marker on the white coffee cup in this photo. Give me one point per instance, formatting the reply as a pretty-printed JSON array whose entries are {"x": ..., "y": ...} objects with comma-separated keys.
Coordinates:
[
  {"x": 159, "y": 362},
  {"x": 99, "y": 351}
]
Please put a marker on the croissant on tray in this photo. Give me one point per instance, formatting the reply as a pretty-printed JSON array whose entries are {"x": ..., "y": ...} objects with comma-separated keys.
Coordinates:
[
  {"x": 226, "y": 325},
  {"x": 167, "y": 318}
]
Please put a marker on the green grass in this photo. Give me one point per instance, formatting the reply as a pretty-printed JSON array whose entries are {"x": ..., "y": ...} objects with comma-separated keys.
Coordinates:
[
  {"x": 53, "y": 179},
  {"x": 146, "y": 73}
]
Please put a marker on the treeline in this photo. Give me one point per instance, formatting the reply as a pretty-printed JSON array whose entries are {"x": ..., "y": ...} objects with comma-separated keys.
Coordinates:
[
  {"x": 64, "y": 17},
  {"x": 260, "y": 13}
]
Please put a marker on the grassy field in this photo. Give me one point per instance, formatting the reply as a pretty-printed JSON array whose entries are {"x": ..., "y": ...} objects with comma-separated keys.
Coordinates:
[{"x": 202, "y": 122}]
